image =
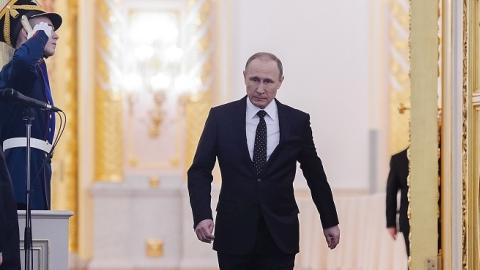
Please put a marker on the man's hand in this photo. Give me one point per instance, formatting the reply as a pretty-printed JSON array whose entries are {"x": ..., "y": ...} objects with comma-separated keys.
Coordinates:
[
  {"x": 1, "y": 258},
  {"x": 41, "y": 26},
  {"x": 204, "y": 230},
  {"x": 332, "y": 236},
  {"x": 393, "y": 232}
]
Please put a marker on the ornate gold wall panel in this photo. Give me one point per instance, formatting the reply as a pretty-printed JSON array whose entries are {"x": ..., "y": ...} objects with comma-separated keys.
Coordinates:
[
  {"x": 471, "y": 136},
  {"x": 399, "y": 81},
  {"x": 196, "y": 111},
  {"x": 108, "y": 101},
  {"x": 201, "y": 21},
  {"x": 63, "y": 79},
  {"x": 423, "y": 155}
]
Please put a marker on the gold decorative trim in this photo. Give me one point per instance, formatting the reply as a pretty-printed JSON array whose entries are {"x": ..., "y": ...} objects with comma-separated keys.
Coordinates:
[
  {"x": 9, "y": 10},
  {"x": 6, "y": 51},
  {"x": 446, "y": 139},
  {"x": 470, "y": 138},
  {"x": 399, "y": 81},
  {"x": 154, "y": 248},
  {"x": 197, "y": 105},
  {"x": 64, "y": 80},
  {"x": 476, "y": 99},
  {"x": 154, "y": 182},
  {"x": 196, "y": 111},
  {"x": 108, "y": 101},
  {"x": 464, "y": 130}
]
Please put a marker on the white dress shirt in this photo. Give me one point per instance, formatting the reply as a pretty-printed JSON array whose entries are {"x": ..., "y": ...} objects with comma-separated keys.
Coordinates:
[{"x": 273, "y": 128}]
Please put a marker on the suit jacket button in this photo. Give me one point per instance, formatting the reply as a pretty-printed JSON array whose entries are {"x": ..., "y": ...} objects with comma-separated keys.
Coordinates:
[{"x": 259, "y": 180}]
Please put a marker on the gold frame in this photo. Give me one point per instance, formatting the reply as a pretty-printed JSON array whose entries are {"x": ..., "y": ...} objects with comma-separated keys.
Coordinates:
[
  {"x": 423, "y": 179},
  {"x": 471, "y": 137},
  {"x": 446, "y": 187}
]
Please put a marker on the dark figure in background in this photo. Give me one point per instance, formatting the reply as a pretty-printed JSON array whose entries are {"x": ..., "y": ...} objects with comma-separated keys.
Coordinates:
[
  {"x": 397, "y": 181},
  {"x": 9, "y": 237},
  {"x": 27, "y": 73},
  {"x": 258, "y": 141}
]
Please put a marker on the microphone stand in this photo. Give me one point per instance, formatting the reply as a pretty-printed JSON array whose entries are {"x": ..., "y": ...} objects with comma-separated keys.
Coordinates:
[{"x": 28, "y": 241}]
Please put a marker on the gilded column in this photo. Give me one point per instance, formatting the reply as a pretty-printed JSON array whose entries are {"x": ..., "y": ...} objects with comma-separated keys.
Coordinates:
[
  {"x": 63, "y": 78},
  {"x": 423, "y": 179},
  {"x": 108, "y": 101},
  {"x": 200, "y": 29}
]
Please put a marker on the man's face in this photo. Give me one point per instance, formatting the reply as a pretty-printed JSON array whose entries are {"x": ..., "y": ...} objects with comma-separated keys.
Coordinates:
[
  {"x": 262, "y": 80},
  {"x": 52, "y": 41}
]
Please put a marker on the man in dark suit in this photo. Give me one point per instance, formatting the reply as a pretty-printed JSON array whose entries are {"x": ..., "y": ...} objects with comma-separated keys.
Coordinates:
[
  {"x": 9, "y": 237},
  {"x": 258, "y": 142},
  {"x": 397, "y": 181}
]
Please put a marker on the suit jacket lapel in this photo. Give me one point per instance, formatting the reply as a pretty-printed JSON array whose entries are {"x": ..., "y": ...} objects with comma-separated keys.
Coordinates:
[
  {"x": 240, "y": 125},
  {"x": 283, "y": 126}
]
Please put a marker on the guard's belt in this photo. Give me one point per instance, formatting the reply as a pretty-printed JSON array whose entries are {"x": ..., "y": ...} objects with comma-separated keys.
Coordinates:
[{"x": 43, "y": 145}]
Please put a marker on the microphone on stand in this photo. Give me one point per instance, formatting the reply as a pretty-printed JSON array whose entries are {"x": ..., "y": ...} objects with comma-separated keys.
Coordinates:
[{"x": 10, "y": 94}]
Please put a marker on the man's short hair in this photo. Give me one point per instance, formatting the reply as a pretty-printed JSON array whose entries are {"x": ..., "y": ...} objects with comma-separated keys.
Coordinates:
[{"x": 268, "y": 55}]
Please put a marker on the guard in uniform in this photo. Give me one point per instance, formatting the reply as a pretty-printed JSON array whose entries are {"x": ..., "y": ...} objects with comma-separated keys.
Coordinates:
[{"x": 27, "y": 73}]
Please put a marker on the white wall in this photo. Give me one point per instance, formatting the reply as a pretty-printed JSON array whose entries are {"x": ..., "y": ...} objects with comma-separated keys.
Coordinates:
[{"x": 324, "y": 49}]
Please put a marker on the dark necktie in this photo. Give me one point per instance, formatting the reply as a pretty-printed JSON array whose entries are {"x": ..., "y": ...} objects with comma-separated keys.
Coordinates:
[{"x": 260, "y": 146}]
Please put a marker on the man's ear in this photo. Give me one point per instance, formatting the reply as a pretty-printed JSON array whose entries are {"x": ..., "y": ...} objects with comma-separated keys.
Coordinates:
[
  {"x": 23, "y": 32},
  {"x": 21, "y": 37}
]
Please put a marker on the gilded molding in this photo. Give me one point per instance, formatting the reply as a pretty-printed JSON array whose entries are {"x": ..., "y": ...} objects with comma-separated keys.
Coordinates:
[
  {"x": 63, "y": 78},
  {"x": 154, "y": 248},
  {"x": 470, "y": 139},
  {"x": 108, "y": 102},
  {"x": 399, "y": 81},
  {"x": 464, "y": 131},
  {"x": 196, "y": 111},
  {"x": 198, "y": 104},
  {"x": 447, "y": 138}
]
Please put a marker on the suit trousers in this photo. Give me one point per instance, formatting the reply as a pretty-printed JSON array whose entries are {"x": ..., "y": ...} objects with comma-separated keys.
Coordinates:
[
  {"x": 9, "y": 236},
  {"x": 407, "y": 241},
  {"x": 266, "y": 255}
]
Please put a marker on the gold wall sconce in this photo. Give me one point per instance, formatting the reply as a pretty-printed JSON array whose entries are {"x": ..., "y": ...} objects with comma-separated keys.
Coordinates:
[{"x": 156, "y": 115}]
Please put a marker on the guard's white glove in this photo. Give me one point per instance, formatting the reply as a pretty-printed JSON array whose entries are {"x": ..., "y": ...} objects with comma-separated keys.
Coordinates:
[{"x": 41, "y": 26}]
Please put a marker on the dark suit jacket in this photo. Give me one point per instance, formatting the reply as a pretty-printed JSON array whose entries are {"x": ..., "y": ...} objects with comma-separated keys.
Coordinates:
[
  {"x": 244, "y": 196},
  {"x": 9, "y": 237},
  {"x": 397, "y": 181}
]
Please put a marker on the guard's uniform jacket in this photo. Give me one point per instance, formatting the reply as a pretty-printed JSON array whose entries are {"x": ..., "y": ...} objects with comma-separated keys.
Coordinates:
[{"x": 27, "y": 73}]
